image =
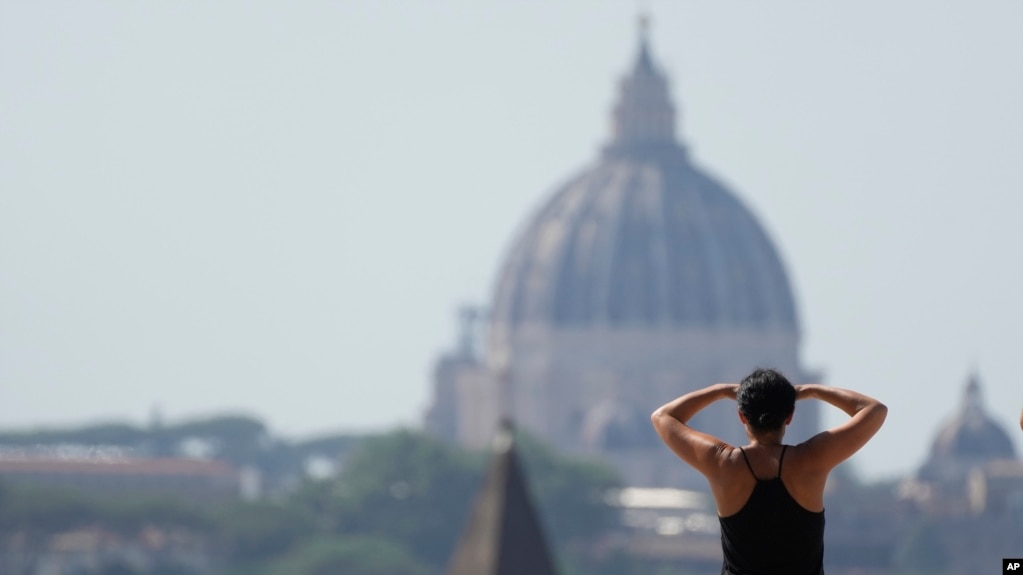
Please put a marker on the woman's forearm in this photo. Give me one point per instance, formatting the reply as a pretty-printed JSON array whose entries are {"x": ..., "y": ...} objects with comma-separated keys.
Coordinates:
[
  {"x": 849, "y": 401},
  {"x": 685, "y": 407}
]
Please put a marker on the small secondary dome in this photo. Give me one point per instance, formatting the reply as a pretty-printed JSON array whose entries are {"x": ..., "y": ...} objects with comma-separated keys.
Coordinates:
[
  {"x": 644, "y": 238},
  {"x": 972, "y": 434},
  {"x": 969, "y": 440}
]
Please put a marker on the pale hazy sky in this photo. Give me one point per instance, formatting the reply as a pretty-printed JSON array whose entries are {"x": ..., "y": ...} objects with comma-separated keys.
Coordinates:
[{"x": 276, "y": 207}]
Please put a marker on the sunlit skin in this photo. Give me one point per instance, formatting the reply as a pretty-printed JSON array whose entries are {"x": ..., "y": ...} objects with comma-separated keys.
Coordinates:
[{"x": 807, "y": 464}]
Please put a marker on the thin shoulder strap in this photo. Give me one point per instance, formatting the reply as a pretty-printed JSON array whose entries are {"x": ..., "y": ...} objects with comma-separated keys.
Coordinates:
[
  {"x": 782, "y": 458},
  {"x": 753, "y": 473}
]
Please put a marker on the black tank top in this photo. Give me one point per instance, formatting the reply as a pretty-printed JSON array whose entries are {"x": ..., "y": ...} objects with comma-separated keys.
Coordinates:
[{"x": 772, "y": 534}]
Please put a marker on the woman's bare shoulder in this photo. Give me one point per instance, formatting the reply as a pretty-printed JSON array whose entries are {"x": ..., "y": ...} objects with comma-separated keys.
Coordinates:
[
  {"x": 803, "y": 476},
  {"x": 735, "y": 483}
]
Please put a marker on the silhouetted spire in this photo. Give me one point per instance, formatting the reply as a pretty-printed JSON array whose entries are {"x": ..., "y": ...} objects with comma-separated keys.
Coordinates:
[
  {"x": 644, "y": 61},
  {"x": 973, "y": 403},
  {"x": 503, "y": 535}
]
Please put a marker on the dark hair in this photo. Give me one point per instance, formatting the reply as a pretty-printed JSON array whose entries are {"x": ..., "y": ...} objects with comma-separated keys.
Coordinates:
[{"x": 766, "y": 399}]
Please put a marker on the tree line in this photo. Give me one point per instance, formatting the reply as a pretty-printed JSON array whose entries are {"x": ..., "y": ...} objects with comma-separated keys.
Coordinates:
[{"x": 397, "y": 507}]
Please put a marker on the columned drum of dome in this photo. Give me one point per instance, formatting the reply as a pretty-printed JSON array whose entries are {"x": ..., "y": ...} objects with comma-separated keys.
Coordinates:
[{"x": 639, "y": 278}]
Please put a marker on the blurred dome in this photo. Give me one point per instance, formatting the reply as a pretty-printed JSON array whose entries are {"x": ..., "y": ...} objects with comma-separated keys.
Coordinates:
[
  {"x": 971, "y": 434},
  {"x": 644, "y": 238},
  {"x": 969, "y": 440}
]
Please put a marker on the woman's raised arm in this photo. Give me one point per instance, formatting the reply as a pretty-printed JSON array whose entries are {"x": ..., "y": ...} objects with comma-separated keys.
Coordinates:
[
  {"x": 866, "y": 415},
  {"x": 698, "y": 449}
]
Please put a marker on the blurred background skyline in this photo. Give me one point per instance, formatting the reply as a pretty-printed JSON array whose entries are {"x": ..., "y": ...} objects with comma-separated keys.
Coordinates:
[{"x": 277, "y": 209}]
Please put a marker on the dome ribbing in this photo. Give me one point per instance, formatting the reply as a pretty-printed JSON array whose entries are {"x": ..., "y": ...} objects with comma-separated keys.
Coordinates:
[{"x": 644, "y": 238}]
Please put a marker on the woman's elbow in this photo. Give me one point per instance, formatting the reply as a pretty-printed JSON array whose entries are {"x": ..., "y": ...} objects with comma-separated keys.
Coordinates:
[
  {"x": 880, "y": 413},
  {"x": 657, "y": 417}
]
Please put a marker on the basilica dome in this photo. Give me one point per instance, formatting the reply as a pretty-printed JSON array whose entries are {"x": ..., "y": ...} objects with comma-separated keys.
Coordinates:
[
  {"x": 644, "y": 238},
  {"x": 639, "y": 278}
]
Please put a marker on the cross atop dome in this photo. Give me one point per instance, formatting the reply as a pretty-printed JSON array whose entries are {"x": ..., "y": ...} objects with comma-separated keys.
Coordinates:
[{"x": 644, "y": 60}]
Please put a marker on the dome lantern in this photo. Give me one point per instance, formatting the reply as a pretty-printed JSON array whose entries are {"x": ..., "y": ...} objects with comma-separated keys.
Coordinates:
[{"x": 644, "y": 115}]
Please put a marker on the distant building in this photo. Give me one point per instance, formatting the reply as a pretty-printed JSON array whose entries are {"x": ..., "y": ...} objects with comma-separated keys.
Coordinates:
[
  {"x": 94, "y": 550},
  {"x": 966, "y": 500},
  {"x": 639, "y": 279},
  {"x": 968, "y": 440},
  {"x": 198, "y": 480},
  {"x": 673, "y": 528},
  {"x": 972, "y": 467}
]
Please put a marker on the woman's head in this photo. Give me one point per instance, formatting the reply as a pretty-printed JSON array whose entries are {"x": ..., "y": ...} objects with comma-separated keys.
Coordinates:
[{"x": 766, "y": 399}]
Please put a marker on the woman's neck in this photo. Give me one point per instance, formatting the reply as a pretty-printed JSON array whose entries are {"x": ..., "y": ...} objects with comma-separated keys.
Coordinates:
[{"x": 766, "y": 439}]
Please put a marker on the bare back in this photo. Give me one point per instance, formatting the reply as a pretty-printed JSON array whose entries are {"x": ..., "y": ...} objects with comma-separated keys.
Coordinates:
[
  {"x": 769, "y": 495},
  {"x": 738, "y": 478},
  {"x": 807, "y": 464}
]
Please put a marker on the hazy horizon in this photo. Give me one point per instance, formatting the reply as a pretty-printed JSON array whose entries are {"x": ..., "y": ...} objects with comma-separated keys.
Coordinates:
[{"x": 276, "y": 209}]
